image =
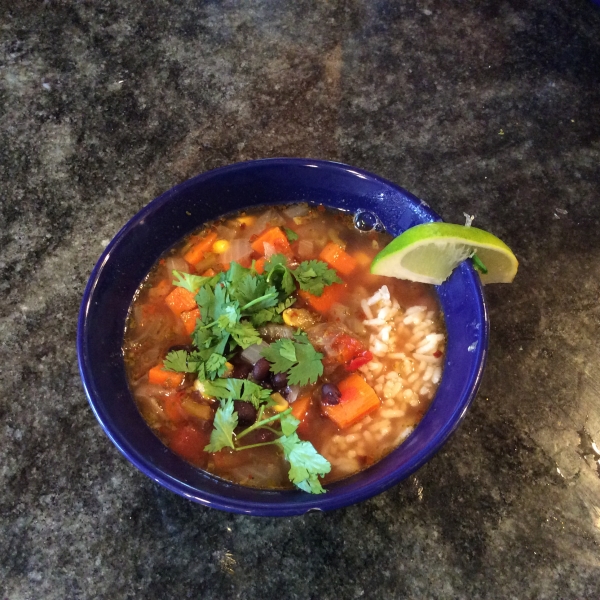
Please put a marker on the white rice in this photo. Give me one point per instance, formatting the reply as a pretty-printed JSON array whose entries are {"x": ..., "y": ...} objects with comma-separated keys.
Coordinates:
[{"x": 413, "y": 341}]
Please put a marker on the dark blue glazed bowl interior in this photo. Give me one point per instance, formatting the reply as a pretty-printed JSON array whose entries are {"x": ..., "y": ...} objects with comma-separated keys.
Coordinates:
[{"x": 161, "y": 224}]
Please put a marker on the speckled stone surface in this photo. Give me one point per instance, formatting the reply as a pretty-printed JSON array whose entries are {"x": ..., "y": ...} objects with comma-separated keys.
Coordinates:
[{"x": 489, "y": 107}]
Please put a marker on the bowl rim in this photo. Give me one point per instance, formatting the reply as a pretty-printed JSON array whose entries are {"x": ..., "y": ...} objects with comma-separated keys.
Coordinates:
[{"x": 292, "y": 502}]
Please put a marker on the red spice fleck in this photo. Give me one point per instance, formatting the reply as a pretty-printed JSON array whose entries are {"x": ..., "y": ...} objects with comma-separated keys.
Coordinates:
[{"x": 437, "y": 354}]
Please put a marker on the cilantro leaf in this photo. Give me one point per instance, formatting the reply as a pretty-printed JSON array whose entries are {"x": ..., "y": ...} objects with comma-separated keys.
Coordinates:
[
  {"x": 306, "y": 464},
  {"x": 226, "y": 420},
  {"x": 291, "y": 235},
  {"x": 215, "y": 366},
  {"x": 277, "y": 272},
  {"x": 182, "y": 361},
  {"x": 192, "y": 283},
  {"x": 273, "y": 353},
  {"x": 297, "y": 357},
  {"x": 309, "y": 367},
  {"x": 263, "y": 316},
  {"x": 314, "y": 275},
  {"x": 236, "y": 389},
  {"x": 245, "y": 334},
  {"x": 289, "y": 424},
  {"x": 272, "y": 315}
]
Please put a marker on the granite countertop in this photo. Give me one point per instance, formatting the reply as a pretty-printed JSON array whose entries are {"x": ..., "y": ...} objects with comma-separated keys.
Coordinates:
[{"x": 490, "y": 108}]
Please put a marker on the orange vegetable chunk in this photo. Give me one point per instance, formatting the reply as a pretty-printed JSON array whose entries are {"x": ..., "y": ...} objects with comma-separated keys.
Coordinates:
[
  {"x": 300, "y": 407},
  {"x": 331, "y": 294},
  {"x": 259, "y": 265},
  {"x": 338, "y": 259},
  {"x": 357, "y": 401},
  {"x": 159, "y": 376},
  {"x": 196, "y": 253},
  {"x": 274, "y": 236},
  {"x": 189, "y": 318},
  {"x": 180, "y": 300}
]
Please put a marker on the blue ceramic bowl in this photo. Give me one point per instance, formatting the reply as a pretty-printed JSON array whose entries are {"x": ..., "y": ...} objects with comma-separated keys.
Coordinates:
[{"x": 161, "y": 224}]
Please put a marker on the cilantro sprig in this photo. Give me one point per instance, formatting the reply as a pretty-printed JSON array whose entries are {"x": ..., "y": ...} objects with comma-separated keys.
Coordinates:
[
  {"x": 232, "y": 305},
  {"x": 306, "y": 464},
  {"x": 297, "y": 358},
  {"x": 312, "y": 275}
]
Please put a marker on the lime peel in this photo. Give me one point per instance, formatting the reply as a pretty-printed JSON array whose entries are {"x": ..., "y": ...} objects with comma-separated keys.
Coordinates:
[{"x": 428, "y": 253}]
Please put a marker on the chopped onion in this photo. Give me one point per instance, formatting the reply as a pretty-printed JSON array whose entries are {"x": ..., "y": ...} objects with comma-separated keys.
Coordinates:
[
  {"x": 177, "y": 264},
  {"x": 226, "y": 232},
  {"x": 276, "y": 332},
  {"x": 269, "y": 250},
  {"x": 291, "y": 393},
  {"x": 306, "y": 249},
  {"x": 252, "y": 354},
  {"x": 296, "y": 210},
  {"x": 238, "y": 249}
]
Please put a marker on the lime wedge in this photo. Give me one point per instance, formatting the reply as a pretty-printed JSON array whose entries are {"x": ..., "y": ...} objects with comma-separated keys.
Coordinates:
[{"x": 429, "y": 253}]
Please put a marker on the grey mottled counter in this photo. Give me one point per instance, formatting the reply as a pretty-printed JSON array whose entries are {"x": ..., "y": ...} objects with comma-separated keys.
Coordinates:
[{"x": 488, "y": 107}]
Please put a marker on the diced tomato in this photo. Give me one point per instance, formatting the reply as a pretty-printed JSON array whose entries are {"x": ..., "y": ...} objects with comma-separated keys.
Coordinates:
[
  {"x": 189, "y": 442},
  {"x": 351, "y": 352}
]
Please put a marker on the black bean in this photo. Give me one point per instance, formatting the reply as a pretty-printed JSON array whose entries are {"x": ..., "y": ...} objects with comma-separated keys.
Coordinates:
[
  {"x": 261, "y": 369},
  {"x": 330, "y": 394},
  {"x": 279, "y": 381},
  {"x": 246, "y": 412}
]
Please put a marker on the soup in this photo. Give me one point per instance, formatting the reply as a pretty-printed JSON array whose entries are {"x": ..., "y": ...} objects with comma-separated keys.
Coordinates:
[{"x": 262, "y": 350}]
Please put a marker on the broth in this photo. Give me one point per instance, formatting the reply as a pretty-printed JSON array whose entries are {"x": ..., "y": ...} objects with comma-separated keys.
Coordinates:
[{"x": 381, "y": 340}]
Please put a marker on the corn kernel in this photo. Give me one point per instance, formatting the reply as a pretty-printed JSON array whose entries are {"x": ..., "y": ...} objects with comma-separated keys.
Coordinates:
[
  {"x": 247, "y": 221},
  {"x": 220, "y": 246},
  {"x": 281, "y": 402}
]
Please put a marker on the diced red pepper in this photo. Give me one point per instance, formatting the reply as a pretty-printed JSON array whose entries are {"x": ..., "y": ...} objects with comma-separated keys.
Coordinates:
[
  {"x": 351, "y": 352},
  {"x": 362, "y": 359}
]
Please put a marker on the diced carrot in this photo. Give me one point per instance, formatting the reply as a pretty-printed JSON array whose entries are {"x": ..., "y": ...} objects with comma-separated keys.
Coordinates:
[
  {"x": 209, "y": 273},
  {"x": 273, "y": 236},
  {"x": 196, "y": 253},
  {"x": 338, "y": 258},
  {"x": 357, "y": 401},
  {"x": 259, "y": 265},
  {"x": 300, "y": 407},
  {"x": 189, "y": 319},
  {"x": 159, "y": 376},
  {"x": 180, "y": 299},
  {"x": 331, "y": 294},
  {"x": 189, "y": 443}
]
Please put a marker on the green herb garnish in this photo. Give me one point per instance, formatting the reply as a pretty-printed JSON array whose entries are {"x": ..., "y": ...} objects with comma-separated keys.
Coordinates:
[
  {"x": 292, "y": 236},
  {"x": 306, "y": 464},
  {"x": 232, "y": 305},
  {"x": 295, "y": 357}
]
